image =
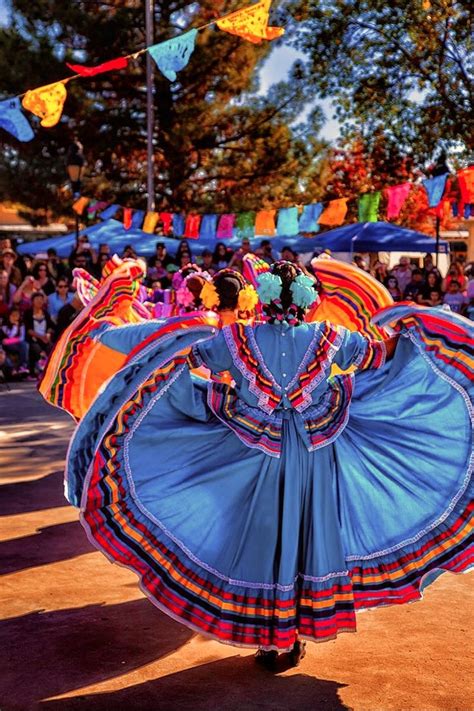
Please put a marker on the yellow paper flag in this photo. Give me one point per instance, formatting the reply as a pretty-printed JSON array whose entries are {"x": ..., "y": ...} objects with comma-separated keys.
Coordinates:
[
  {"x": 46, "y": 102},
  {"x": 251, "y": 23},
  {"x": 150, "y": 222}
]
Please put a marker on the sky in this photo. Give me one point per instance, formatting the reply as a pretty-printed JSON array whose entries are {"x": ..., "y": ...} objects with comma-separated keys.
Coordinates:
[{"x": 274, "y": 70}]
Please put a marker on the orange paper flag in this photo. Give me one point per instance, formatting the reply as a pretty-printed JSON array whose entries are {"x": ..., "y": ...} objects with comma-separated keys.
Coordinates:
[
  {"x": 334, "y": 213},
  {"x": 46, "y": 102},
  {"x": 80, "y": 205},
  {"x": 251, "y": 23},
  {"x": 150, "y": 222}
]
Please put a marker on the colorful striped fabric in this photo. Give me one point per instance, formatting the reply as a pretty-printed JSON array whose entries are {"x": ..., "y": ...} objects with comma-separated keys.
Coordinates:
[{"x": 348, "y": 297}]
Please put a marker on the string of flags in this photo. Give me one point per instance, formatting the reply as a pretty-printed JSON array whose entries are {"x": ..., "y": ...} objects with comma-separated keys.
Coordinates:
[
  {"x": 171, "y": 56},
  {"x": 288, "y": 221}
]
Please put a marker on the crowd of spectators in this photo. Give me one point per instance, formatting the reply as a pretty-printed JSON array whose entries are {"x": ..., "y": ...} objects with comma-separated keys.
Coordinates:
[{"x": 37, "y": 299}]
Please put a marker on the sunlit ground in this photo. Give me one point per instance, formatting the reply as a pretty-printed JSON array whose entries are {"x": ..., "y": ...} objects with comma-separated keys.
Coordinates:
[{"x": 76, "y": 632}]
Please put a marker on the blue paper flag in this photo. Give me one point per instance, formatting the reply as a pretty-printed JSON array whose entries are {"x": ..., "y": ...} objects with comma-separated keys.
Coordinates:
[
  {"x": 173, "y": 55},
  {"x": 13, "y": 120},
  {"x": 435, "y": 188},
  {"x": 137, "y": 219},
  {"x": 178, "y": 225},
  {"x": 309, "y": 217},
  {"x": 287, "y": 223},
  {"x": 109, "y": 212},
  {"x": 208, "y": 227}
]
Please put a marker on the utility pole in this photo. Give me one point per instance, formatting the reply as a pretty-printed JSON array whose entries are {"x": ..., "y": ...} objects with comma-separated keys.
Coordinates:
[{"x": 150, "y": 112}]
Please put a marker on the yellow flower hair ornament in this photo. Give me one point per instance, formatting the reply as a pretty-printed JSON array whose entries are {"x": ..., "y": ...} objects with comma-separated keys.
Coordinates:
[
  {"x": 209, "y": 296},
  {"x": 248, "y": 298}
]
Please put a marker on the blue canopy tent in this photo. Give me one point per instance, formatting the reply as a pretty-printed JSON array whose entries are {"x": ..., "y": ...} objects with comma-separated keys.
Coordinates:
[{"x": 378, "y": 237}]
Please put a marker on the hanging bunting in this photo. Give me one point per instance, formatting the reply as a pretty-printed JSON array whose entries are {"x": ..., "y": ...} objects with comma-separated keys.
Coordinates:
[
  {"x": 113, "y": 64},
  {"x": 166, "y": 222},
  {"x": 368, "y": 207},
  {"x": 245, "y": 225},
  {"x": 208, "y": 228},
  {"x": 265, "y": 223},
  {"x": 225, "y": 228},
  {"x": 251, "y": 23},
  {"x": 466, "y": 184},
  {"x": 13, "y": 120},
  {"x": 287, "y": 223},
  {"x": 127, "y": 217},
  {"x": 191, "y": 227},
  {"x": 309, "y": 217},
  {"x": 173, "y": 55},
  {"x": 80, "y": 205},
  {"x": 333, "y": 215},
  {"x": 150, "y": 222},
  {"x": 178, "y": 225},
  {"x": 46, "y": 102},
  {"x": 396, "y": 197},
  {"x": 435, "y": 188},
  {"x": 137, "y": 219},
  {"x": 110, "y": 211}
]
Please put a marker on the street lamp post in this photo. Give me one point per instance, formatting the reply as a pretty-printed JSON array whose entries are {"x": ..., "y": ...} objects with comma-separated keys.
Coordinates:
[
  {"x": 75, "y": 170},
  {"x": 440, "y": 168}
]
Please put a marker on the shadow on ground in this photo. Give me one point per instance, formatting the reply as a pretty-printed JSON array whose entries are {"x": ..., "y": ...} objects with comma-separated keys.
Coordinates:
[
  {"x": 46, "y": 654},
  {"x": 234, "y": 684},
  {"x": 25, "y": 496}
]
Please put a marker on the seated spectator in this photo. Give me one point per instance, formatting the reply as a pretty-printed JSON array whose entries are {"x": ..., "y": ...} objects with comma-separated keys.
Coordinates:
[
  {"x": 391, "y": 283},
  {"x": 44, "y": 282},
  {"x": 415, "y": 287},
  {"x": 432, "y": 283},
  {"x": 7, "y": 292},
  {"x": 157, "y": 271},
  {"x": 380, "y": 271},
  {"x": 208, "y": 263},
  {"x": 360, "y": 262},
  {"x": 161, "y": 253},
  {"x": 236, "y": 261},
  {"x": 102, "y": 260},
  {"x": 83, "y": 248},
  {"x": 23, "y": 295},
  {"x": 267, "y": 253},
  {"x": 183, "y": 247},
  {"x": 60, "y": 298},
  {"x": 8, "y": 260},
  {"x": 56, "y": 268},
  {"x": 184, "y": 259},
  {"x": 402, "y": 272},
  {"x": 429, "y": 268},
  {"x": 6, "y": 366},
  {"x": 455, "y": 273},
  {"x": 14, "y": 342},
  {"x": 129, "y": 252},
  {"x": 222, "y": 256},
  {"x": 454, "y": 297},
  {"x": 435, "y": 298},
  {"x": 39, "y": 331},
  {"x": 67, "y": 314},
  {"x": 81, "y": 261}
]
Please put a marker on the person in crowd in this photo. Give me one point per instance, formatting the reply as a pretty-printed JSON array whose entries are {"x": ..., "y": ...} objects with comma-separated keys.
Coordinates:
[
  {"x": 455, "y": 273},
  {"x": 391, "y": 282},
  {"x": 161, "y": 253},
  {"x": 56, "y": 268},
  {"x": 183, "y": 247},
  {"x": 402, "y": 271},
  {"x": 44, "y": 282},
  {"x": 14, "y": 342},
  {"x": 129, "y": 252},
  {"x": 454, "y": 297},
  {"x": 7, "y": 292},
  {"x": 8, "y": 260},
  {"x": 81, "y": 261},
  {"x": 360, "y": 262},
  {"x": 237, "y": 259},
  {"x": 289, "y": 255},
  {"x": 267, "y": 252},
  {"x": 414, "y": 288},
  {"x": 380, "y": 271},
  {"x": 435, "y": 298},
  {"x": 67, "y": 314},
  {"x": 429, "y": 267},
  {"x": 156, "y": 270},
  {"x": 184, "y": 259},
  {"x": 23, "y": 295},
  {"x": 39, "y": 330},
  {"x": 60, "y": 298},
  {"x": 431, "y": 284},
  {"x": 83, "y": 248},
  {"x": 222, "y": 256},
  {"x": 208, "y": 262}
]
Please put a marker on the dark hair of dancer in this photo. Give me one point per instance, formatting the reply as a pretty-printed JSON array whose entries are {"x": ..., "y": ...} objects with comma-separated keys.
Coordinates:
[
  {"x": 283, "y": 308},
  {"x": 229, "y": 284}
]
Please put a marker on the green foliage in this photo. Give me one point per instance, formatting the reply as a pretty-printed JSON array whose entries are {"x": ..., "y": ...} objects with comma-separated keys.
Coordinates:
[
  {"x": 219, "y": 145},
  {"x": 404, "y": 66}
]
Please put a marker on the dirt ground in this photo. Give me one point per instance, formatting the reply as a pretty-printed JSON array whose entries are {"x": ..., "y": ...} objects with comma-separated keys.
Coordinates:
[{"x": 76, "y": 634}]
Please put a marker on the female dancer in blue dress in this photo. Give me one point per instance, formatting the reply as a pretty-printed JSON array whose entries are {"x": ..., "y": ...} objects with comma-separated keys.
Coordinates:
[{"x": 267, "y": 512}]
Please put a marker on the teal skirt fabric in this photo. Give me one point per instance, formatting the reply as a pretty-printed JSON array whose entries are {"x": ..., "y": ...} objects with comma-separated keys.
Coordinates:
[{"x": 256, "y": 550}]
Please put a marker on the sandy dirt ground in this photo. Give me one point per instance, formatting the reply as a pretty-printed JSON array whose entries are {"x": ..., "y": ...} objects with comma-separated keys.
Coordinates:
[{"x": 76, "y": 634}]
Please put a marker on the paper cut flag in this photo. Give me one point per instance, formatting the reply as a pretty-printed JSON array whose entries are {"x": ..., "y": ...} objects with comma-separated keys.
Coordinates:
[
  {"x": 109, "y": 212},
  {"x": 251, "y": 23},
  {"x": 265, "y": 223},
  {"x": 150, "y": 222},
  {"x": 137, "y": 219},
  {"x": 309, "y": 217},
  {"x": 167, "y": 222},
  {"x": 368, "y": 207},
  {"x": 466, "y": 184},
  {"x": 80, "y": 205},
  {"x": 46, "y": 102},
  {"x": 245, "y": 225},
  {"x": 191, "y": 228},
  {"x": 173, "y": 55},
  {"x": 127, "y": 217},
  {"x": 334, "y": 213},
  {"x": 396, "y": 196},
  {"x": 207, "y": 231},
  {"x": 435, "y": 188},
  {"x": 178, "y": 225},
  {"x": 120, "y": 63},
  {"x": 13, "y": 120},
  {"x": 225, "y": 228},
  {"x": 287, "y": 223}
]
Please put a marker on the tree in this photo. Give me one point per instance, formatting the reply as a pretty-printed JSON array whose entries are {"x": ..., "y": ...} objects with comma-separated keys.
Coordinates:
[
  {"x": 404, "y": 67},
  {"x": 219, "y": 145}
]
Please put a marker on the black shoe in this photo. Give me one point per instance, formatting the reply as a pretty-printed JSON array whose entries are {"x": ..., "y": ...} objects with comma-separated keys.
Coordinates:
[
  {"x": 267, "y": 659},
  {"x": 297, "y": 653}
]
